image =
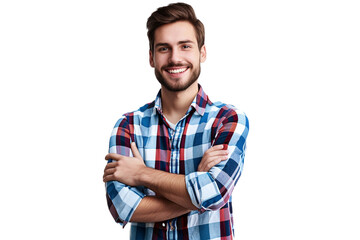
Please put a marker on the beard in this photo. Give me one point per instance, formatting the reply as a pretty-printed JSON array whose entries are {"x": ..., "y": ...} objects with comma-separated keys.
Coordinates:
[{"x": 177, "y": 87}]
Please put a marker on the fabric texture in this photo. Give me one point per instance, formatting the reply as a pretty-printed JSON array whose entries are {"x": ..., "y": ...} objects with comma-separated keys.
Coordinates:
[{"x": 180, "y": 151}]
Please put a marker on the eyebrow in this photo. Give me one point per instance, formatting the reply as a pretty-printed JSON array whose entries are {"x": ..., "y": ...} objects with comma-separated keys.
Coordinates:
[
  {"x": 186, "y": 41},
  {"x": 180, "y": 42}
]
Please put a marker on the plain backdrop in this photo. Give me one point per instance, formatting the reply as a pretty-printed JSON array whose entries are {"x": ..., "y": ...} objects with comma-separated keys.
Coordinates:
[{"x": 70, "y": 69}]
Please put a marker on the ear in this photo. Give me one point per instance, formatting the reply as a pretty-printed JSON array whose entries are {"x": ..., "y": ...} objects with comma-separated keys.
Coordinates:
[
  {"x": 151, "y": 58},
  {"x": 203, "y": 54}
]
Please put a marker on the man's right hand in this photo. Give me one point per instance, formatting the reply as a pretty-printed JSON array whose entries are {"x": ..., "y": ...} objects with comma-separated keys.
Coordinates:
[{"x": 212, "y": 156}]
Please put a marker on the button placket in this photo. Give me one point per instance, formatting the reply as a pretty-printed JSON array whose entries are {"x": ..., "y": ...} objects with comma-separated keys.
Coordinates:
[{"x": 171, "y": 226}]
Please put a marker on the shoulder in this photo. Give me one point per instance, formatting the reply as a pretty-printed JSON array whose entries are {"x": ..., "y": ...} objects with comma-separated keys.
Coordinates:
[
  {"x": 135, "y": 117},
  {"x": 229, "y": 125},
  {"x": 228, "y": 113}
]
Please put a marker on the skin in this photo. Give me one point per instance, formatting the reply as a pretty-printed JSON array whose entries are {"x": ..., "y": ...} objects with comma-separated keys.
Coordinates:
[
  {"x": 174, "y": 200},
  {"x": 176, "y": 60},
  {"x": 176, "y": 47}
]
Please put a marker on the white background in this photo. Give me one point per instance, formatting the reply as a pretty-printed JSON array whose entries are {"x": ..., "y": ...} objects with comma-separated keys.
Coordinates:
[{"x": 70, "y": 69}]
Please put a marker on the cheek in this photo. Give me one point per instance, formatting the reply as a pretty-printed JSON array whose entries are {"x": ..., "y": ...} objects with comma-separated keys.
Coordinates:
[
  {"x": 159, "y": 61},
  {"x": 194, "y": 58}
]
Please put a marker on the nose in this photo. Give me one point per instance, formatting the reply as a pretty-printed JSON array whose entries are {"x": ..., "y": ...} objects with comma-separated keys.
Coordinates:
[{"x": 175, "y": 56}]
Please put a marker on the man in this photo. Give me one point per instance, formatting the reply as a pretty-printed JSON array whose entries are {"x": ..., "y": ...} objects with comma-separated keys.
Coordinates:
[{"x": 173, "y": 163}]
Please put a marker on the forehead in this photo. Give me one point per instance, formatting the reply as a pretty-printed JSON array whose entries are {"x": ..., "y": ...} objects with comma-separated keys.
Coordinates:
[{"x": 172, "y": 33}]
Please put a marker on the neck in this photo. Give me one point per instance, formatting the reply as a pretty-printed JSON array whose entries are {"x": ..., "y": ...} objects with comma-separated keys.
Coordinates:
[{"x": 176, "y": 104}]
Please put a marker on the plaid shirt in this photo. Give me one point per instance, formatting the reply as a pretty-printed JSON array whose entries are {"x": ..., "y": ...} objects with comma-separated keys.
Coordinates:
[{"x": 180, "y": 151}]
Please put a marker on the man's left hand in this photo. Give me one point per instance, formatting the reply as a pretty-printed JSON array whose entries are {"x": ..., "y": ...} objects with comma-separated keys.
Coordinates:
[{"x": 124, "y": 169}]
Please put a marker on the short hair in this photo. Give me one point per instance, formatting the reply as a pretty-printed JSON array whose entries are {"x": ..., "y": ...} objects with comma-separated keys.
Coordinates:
[{"x": 172, "y": 13}]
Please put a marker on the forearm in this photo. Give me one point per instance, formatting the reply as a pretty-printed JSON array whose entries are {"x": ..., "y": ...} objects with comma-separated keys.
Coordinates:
[
  {"x": 157, "y": 209},
  {"x": 170, "y": 186}
]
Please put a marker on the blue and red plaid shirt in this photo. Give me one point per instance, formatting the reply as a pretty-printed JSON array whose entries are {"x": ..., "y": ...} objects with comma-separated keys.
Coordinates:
[{"x": 180, "y": 151}]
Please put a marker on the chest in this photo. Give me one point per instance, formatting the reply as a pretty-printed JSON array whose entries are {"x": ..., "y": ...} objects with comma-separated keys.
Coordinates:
[{"x": 176, "y": 150}]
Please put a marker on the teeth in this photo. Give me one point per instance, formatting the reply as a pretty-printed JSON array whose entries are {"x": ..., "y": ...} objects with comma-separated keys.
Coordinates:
[{"x": 180, "y": 70}]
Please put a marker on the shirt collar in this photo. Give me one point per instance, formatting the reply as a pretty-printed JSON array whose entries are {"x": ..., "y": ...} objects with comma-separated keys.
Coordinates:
[{"x": 199, "y": 102}]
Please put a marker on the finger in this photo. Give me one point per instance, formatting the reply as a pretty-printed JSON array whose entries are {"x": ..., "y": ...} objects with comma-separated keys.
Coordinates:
[
  {"x": 215, "y": 148},
  {"x": 222, "y": 153},
  {"x": 135, "y": 151},
  {"x": 110, "y": 165},
  {"x": 113, "y": 156},
  {"x": 213, "y": 162},
  {"x": 218, "y": 159},
  {"x": 108, "y": 178},
  {"x": 204, "y": 166},
  {"x": 109, "y": 171},
  {"x": 200, "y": 167},
  {"x": 218, "y": 153}
]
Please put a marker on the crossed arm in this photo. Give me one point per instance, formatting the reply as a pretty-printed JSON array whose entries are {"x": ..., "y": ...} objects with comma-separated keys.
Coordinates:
[{"x": 172, "y": 198}]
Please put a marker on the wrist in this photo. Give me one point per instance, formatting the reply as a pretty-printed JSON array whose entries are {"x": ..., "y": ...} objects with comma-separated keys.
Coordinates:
[{"x": 143, "y": 176}]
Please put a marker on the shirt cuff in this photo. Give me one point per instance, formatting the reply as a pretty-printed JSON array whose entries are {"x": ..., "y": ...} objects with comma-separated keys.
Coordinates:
[
  {"x": 202, "y": 189},
  {"x": 124, "y": 199}
]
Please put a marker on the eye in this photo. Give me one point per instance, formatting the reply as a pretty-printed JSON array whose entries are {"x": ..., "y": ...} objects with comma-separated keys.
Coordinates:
[
  {"x": 186, "y": 46},
  {"x": 163, "y": 49}
]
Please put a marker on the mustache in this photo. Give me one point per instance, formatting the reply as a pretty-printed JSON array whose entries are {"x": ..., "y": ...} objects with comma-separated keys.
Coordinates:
[{"x": 171, "y": 65}]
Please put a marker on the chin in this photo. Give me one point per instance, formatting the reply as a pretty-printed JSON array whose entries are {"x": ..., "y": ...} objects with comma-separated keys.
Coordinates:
[{"x": 178, "y": 85}]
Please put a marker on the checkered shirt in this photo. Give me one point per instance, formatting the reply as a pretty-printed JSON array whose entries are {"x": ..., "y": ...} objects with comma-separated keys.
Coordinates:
[{"x": 180, "y": 151}]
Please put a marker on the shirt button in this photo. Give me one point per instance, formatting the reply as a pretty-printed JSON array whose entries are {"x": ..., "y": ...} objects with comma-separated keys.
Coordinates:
[{"x": 163, "y": 224}]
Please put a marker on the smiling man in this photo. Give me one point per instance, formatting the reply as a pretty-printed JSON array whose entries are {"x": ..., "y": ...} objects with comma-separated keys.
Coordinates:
[
  {"x": 174, "y": 163},
  {"x": 176, "y": 56}
]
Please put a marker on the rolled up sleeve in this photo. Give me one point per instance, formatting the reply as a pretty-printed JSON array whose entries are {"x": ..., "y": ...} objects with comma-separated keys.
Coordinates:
[
  {"x": 122, "y": 200},
  {"x": 212, "y": 190}
]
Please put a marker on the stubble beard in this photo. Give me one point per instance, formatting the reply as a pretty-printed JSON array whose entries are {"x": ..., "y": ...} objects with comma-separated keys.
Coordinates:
[{"x": 178, "y": 87}]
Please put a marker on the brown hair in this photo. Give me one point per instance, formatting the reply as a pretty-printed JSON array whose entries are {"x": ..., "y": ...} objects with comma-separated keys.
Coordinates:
[{"x": 172, "y": 13}]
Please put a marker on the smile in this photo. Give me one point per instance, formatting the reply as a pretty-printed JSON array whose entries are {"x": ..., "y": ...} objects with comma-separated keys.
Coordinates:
[{"x": 178, "y": 70}]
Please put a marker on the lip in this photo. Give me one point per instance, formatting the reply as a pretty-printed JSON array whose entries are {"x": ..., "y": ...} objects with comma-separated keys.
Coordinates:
[{"x": 176, "y": 71}]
